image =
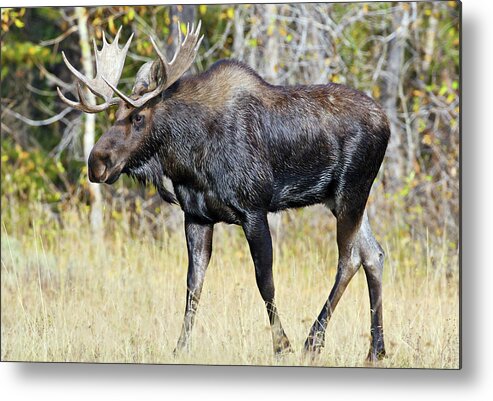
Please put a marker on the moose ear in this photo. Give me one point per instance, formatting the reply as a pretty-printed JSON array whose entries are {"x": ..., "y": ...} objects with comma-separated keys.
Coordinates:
[
  {"x": 143, "y": 80},
  {"x": 148, "y": 78},
  {"x": 157, "y": 73}
]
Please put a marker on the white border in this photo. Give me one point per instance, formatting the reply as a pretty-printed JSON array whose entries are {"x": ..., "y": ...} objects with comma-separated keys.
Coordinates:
[{"x": 83, "y": 382}]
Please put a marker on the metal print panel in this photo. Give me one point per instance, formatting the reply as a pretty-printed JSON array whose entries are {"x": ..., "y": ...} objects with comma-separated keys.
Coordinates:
[{"x": 314, "y": 147}]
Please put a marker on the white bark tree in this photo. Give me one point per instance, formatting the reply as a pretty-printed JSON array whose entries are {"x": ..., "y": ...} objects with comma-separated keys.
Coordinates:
[
  {"x": 96, "y": 214},
  {"x": 390, "y": 87}
]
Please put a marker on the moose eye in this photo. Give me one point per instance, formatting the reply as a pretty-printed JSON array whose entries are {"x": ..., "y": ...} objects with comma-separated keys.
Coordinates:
[{"x": 137, "y": 119}]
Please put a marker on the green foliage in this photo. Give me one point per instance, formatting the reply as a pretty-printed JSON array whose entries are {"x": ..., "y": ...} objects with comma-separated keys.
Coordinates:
[
  {"x": 24, "y": 54},
  {"x": 30, "y": 175},
  {"x": 32, "y": 40},
  {"x": 12, "y": 17}
]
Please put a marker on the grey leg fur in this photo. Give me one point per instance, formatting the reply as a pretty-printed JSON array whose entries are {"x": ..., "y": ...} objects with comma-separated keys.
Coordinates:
[
  {"x": 372, "y": 257},
  {"x": 357, "y": 246}
]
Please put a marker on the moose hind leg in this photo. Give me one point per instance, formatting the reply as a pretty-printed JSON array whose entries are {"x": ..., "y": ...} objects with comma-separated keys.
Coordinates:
[
  {"x": 348, "y": 265},
  {"x": 257, "y": 232},
  {"x": 372, "y": 256}
]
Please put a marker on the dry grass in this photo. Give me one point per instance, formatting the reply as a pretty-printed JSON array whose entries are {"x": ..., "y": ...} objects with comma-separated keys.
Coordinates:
[{"x": 66, "y": 297}]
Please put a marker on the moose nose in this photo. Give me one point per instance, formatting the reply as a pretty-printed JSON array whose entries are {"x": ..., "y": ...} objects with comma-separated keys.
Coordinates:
[{"x": 98, "y": 164}]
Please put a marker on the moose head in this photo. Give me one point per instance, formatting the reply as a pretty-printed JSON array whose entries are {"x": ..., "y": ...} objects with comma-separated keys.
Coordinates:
[{"x": 129, "y": 138}]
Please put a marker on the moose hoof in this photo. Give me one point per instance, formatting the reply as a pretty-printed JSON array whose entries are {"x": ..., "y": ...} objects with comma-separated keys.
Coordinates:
[
  {"x": 311, "y": 354},
  {"x": 313, "y": 345},
  {"x": 181, "y": 348},
  {"x": 283, "y": 347},
  {"x": 177, "y": 352},
  {"x": 375, "y": 355}
]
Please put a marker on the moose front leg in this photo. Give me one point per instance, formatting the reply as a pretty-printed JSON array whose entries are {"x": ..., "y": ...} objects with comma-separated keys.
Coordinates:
[
  {"x": 199, "y": 246},
  {"x": 257, "y": 232}
]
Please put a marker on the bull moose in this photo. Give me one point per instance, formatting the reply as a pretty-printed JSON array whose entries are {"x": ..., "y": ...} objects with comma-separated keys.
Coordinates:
[{"x": 236, "y": 148}]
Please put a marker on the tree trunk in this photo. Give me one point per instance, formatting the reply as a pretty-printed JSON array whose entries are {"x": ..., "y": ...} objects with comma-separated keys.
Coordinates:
[
  {"x": 96, "y": 214},
  {"x": 239, "y": 33},
  {"x": 271, "y": 55},
  {"x": 183, "y": 14},
  {"x": 390, "y": 87},
  {"x": 431, "y": 34},
  {"x": 254, "y": 28}
]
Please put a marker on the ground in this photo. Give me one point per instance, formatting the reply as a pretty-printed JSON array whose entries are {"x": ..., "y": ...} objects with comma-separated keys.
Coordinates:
[{"x": 67, "y": 296}]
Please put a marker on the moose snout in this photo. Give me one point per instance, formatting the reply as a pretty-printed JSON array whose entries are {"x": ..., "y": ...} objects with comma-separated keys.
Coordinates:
[
  {"x": 97, "y": 166},
  {"x": 101, "y": 167}
]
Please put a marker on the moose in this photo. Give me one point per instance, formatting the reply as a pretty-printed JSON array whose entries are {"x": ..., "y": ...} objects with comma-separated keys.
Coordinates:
[{"x": 237, "y": 148}]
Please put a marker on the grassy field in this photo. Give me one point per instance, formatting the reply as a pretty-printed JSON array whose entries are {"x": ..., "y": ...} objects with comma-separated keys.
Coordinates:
[{"x": 68, "y": 297}]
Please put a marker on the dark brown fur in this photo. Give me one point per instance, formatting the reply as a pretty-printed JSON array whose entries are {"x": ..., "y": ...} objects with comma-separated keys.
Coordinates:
[{"x": 236, "y": 148}]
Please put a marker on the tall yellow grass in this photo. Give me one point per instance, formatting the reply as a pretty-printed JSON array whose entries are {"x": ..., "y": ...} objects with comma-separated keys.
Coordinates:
[{"x": 68, "y": 297}]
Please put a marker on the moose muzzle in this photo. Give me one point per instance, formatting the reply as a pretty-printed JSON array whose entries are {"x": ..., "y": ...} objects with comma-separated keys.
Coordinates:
[
  {"x": 104, "y": 163},
  {"x": 101, "y": 168}
]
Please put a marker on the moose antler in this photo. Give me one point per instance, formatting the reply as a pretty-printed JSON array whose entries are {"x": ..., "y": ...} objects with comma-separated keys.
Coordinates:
[
  {"x": 171, "y": 71},
  {"x": 109, "y": 66}
]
